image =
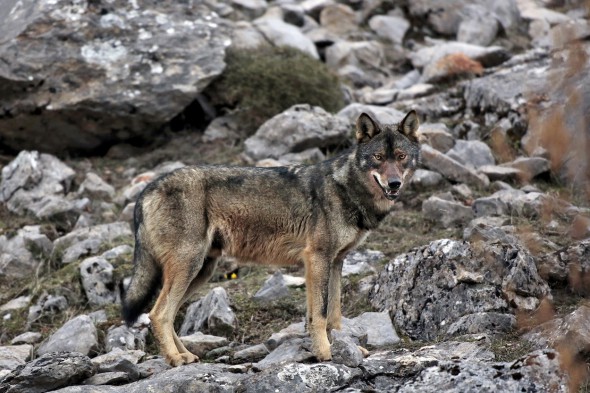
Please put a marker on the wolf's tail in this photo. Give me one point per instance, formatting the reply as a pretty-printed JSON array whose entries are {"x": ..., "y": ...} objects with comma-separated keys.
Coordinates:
[{"x": 146, "y": 278}]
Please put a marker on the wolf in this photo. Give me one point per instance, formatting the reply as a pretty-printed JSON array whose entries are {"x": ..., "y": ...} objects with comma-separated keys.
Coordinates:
[{"x": 309, "y": 214}]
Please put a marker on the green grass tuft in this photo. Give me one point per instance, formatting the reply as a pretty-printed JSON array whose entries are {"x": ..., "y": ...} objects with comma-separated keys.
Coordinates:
[{"x": 263, "y": 82}]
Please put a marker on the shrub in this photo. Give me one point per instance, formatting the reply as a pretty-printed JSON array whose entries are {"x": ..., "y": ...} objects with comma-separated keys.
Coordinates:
[{"x": 262, "y": 82}]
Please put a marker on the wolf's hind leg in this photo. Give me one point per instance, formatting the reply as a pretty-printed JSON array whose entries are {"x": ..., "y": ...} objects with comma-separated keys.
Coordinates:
[
  {"x": 179, "y": 270},
  {"x": 204, "y": 275}
]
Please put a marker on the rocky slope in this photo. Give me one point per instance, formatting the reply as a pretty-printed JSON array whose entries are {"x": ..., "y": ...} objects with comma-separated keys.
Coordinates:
[{"x": 478, "y": 282}]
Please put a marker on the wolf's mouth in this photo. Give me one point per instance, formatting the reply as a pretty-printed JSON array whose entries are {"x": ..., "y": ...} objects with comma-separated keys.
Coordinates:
[{"x": 387, "y": 192}]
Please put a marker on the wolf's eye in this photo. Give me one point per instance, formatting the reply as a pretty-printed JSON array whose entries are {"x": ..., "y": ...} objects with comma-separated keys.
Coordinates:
[
  {"x": 378, "y": 157},
  {"x": 401, "y": 156}
]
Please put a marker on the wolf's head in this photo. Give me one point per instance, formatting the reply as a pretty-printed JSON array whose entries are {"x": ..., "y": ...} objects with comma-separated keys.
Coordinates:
[{"x": 387, "y": 155}]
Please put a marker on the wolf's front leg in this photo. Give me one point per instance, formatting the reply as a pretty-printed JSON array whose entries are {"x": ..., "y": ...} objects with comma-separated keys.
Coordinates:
[
  {"x": 317, "y": 281},
  {"x": 334, "y": 306}
]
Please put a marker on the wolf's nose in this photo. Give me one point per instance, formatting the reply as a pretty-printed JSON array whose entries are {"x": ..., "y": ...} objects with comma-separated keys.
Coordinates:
[{"x": 394, "y": 184}]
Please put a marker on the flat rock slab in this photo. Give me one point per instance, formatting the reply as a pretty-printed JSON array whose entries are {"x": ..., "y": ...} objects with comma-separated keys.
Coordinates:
[
  {"x": 77, "y": 335},
  {"x": 131, "y": 66},
  {"x": 13, "y": 356},
  {"x": 296, "y": 129}
]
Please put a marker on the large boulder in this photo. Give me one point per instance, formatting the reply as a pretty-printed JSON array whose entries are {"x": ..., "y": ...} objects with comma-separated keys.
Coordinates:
[
  {"x": 36, "y": 183},
  {"x": 77, "y": 335},
  {"x": 21, "y": 254},
  {"x": 84, "y": 74},
  {"x": 429, "y": 289},
  {"x": 296, "y": 129}
]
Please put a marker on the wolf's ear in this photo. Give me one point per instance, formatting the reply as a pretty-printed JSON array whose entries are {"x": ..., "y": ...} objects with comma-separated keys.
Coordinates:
[
  {"x": 366, "y": 128},
  {"x": 409, "y": 125}
]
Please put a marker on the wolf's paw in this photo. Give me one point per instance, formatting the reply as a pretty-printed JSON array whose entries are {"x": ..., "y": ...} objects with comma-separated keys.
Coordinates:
[
  {"x": 363, "y": 350},
  {"x": 181, "y": 358},
  {"x": 323, "y": 353}
]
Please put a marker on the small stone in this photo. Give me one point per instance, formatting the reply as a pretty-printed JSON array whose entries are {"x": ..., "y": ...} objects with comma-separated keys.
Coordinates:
[
  {"x": 446, "y": 213},
  {"x": 97, "y": 281},
  {"x": 293, "y": 281},
  {"x": 199, "y": 343},
  {"x": 473, "y": 154},
  {"x": 345, "y": 350},
  {"x": 424, "y": 179},
  {"x": 390, "y": 27},
  {"x": 378, "y": 328},
  {"x": 361, "y": 262},
  {"x": 295, "y": 330},
  {"x": 14, "y": 355},
  {"x": 108, "y": 378},
  {"x": 95, "y": 187},
  {"x": 77, "y": 335},
  {"x": 273, "y": 288},
  {"x": 251, "y": 354},
  {"x": 212, "y": 313},
  {"x": 438, "y": 136},
  {"x": 16, "y": 303},
  {"x": 27, "y": 338}
]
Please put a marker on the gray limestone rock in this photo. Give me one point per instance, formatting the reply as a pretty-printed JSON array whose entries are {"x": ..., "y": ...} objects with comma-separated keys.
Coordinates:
[
  {"x": 446, "y": 16},
  {"x": 296, "y": 129},
  {"x": 490, "y": 206},
  {"x": 472, "y": 153},
  {"x": 95, "y": 187},
  {"x": 367, "y": 58},
  {"x": 21, "y": 254},
  {"x": 482, "y": 322},
  {"x": 280, "y": 33},
  {"x": 438, "y": 136},
  {"x": 293, "y": 350},
  {"x": 530, "y": 167},
  {"x": 124, "y": 70},
  {"x": 253, "y": 353},
  {"x": 77, "y": 335},
  {"x": 108, "y": 378},
  {"x": 424, "y": 179},
  {"x": 446, "y": 213},
  {"x": 125, "y": 337},
  {"x": 13, "y": 356},
  {"x": 32, "y": 177},
  {"x": 488, "y": 56},
  {"x": 390, "y": 27},
  {"x": 384, "y": 115},
  {"x": 433, "y": 286},
  {"x": 295, "y": 330},
  {"x": 49, "y": 372},
  {"x": 450, "y": 168},
  {"x": 120, "y": 361},
  {"x": 344, "y": 350},
  {"x": 47, "y": 305},
  {"x": 91, "y": 237},
  {"x": 199, "y": 343},
  {"x": 27, "y": 338},
  {"x": 570, "y": 265},
  {"x": 478, "y": 25},
  {"x": 569, "y": 332},
  {"x": 502, "y": 173},
  {"x": 212, "y": 313},
  {"x": 373, "y": 329},
  {"x": 97, "y": 281},
  {"x": 16, "y": 303},
  {"x": 361, "y": 262},
  {"x": 273, "y": 288}
]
